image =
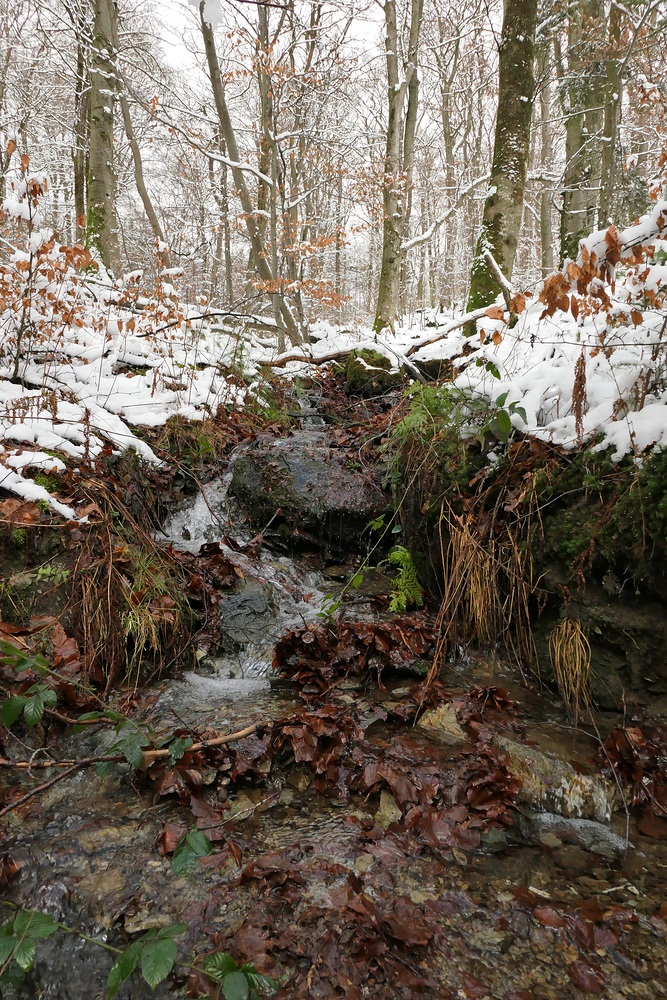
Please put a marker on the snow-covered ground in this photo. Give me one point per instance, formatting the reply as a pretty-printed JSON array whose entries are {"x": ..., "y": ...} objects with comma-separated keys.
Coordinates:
[{"x": 83, "y": 361}]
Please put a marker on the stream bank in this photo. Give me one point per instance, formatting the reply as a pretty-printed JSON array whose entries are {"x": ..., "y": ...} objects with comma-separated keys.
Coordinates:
[{"x": 355, "y": 854}]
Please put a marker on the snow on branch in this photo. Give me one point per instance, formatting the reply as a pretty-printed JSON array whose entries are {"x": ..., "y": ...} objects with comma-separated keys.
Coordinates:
[{"x": 428, "y": 234}]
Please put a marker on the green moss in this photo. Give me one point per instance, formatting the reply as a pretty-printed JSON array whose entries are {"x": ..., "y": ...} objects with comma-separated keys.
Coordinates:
[
  {"x": 49, "y": 483},
  {"x": 17, "y": 537},
  {"x": 368, "y": 373},
  {"x": 600, "y": 516}
]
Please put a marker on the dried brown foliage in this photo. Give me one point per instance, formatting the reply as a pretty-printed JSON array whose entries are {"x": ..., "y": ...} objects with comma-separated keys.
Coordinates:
[
  {"x": 636, "y": 755},
  {"x": 318, "y": 657}
]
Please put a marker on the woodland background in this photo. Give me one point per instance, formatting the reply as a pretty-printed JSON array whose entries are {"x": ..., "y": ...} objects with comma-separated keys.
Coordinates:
[{"x": 258, "y": 147}]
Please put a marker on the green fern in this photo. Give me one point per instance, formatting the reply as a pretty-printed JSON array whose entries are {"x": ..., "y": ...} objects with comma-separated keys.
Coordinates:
[{"x": 407, "y": 590}]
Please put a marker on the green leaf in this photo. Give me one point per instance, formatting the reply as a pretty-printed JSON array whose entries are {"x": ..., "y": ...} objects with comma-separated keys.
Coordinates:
[
  {"x": 492, "y": 369},
  {"x": 257, "y": 981},
  {"x": 502, "y": 398},
  {"x": 199, "y": 842},
  {"x": 172, "y": 931},
  {"x": 33, "y": 710},
  {"x": 24, "y": 954},
  {"x": 157, "y": 961},
  {"x": 104, "y": 768},
  {"x": 131, "y": 750},
  {"x": 501, "y": 425},
  {"x": 12, "y": 708},
  {"x": 177, "y": 748},
  {"x": 519, "y": 410},
  {"x": 113, "y": 715},
  {"x": 218, "y": 965},
  {"x": 7, "y": 944},
  {"x": 235, "y": 986},
  {"x": 192, "y": 845},
  {"x": 34, "y": 924},
  {"x": 357, "y": 580},
  {"x": 123, "y": 968}
]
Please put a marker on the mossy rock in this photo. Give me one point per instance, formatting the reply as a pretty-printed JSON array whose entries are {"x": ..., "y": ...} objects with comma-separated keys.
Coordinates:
[
  {"x": 437, "y": 369},
  {"x": 322, "y": 502},
  {"x": 369, "y": 373}
]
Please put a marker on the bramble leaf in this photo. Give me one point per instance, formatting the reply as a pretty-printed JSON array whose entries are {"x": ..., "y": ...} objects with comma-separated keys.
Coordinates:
[
  {"x": 218, "y": 965},
  {"x": 12, "y": 708},
  {"x": 123, "y": 968},
  {"x": 235, "y": 986},
  {"x": 157, "y": 960}
]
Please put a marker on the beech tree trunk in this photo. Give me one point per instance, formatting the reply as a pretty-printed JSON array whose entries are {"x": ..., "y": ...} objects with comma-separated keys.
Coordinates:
[
  {"x": 612, "y": 113},
  {"x": 585, "y": 99},
  {"x": 101, "y": 218},
  {"x": 503, "y": 208},
  {"x": 546, "y": 164},
  {"x": 259, "y": 254},
  {"x": 399, "y": 158}
]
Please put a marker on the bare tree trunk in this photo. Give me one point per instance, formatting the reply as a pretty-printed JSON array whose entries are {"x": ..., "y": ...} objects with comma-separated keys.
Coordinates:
[
  {"x": 612, "y": 112},
  {"x": 400, "y": 141},
  {"x": 264, "y": 271},
  {"x": 101, "y": 219},
  {"x": 583, "y": 127},
  {"x": 80, "y": 155},
  {"x": 546, "y": 162},
  {"x": 503, "y": 208}
]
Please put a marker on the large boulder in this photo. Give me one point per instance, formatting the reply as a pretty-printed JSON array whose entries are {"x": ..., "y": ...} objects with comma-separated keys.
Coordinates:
[
  {"x": 369, "y": 373},
  {"x": 321, "y": 498},
  {"x": 549, "y": 784}
]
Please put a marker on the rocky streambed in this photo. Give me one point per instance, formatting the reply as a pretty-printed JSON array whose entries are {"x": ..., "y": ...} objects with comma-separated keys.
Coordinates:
[{"x": 363, "y": 842}]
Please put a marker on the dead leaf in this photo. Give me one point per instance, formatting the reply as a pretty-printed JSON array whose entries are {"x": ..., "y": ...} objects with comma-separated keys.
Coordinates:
[{"x": 495, "y": 312}]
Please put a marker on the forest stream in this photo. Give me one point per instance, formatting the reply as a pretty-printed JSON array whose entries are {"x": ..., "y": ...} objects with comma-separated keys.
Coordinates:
[{"x": 331, "y": 883}]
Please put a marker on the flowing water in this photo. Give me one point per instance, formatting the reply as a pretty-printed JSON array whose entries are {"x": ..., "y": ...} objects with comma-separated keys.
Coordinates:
[{"x": 87, "y": 848}]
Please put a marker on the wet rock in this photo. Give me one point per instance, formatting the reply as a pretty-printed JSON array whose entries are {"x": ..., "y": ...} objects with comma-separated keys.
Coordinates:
[
  {"x": 369, "y": 373},
  {"x": 322, "y": 501},
  {"x": 388, "y": 812},
  {"x": 571, "y": 858},
  {"x": 552, "y": 785},
  {"x": 245, "y": 617},
  {"x": 442, "y": 720},
  {"x": 587, "y": 834}
]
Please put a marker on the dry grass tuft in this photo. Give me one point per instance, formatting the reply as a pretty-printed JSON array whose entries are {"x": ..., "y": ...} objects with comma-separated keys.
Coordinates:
[
  {"x": 570, "y": 654},
  {"x": 489, "y": 581},
  {"x": 129, "y": 603}
]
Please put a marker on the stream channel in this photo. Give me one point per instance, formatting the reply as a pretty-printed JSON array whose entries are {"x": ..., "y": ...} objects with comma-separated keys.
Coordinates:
[{"x": 551, "y": 906}]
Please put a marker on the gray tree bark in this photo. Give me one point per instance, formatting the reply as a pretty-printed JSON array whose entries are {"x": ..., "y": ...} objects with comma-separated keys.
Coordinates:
[
  {"x": 399, "y": 159},
  {"x": 503, "y": 208},
  {"x": 101, "y": 218},
  {"x": 261, "y": 260},
  {"x": 584, "y": 111}
]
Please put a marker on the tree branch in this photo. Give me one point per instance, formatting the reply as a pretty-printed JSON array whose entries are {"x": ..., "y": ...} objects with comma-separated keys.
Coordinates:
[{"x": 417, "y": 241}]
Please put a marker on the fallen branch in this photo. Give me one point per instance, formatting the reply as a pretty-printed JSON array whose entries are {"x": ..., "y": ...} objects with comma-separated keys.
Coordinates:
[
  {"x": 444, "y": 331},
  {"x": 322, "y": 359},
  {"x": 38, "y": 790},
  {"x": 148, "y": 756},
  {"x": 311, "y": 359}
]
